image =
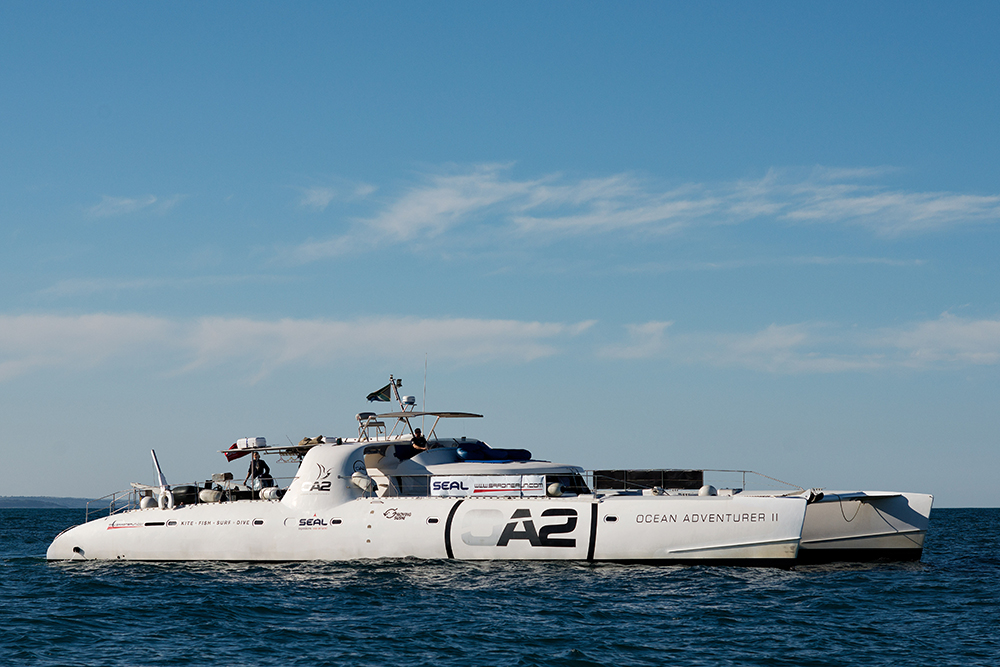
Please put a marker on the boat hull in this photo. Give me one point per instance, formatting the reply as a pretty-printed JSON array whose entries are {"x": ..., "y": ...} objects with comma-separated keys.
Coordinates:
[
  {"x": 865, "y": 526},
  {"x": 668, "y": 529}
]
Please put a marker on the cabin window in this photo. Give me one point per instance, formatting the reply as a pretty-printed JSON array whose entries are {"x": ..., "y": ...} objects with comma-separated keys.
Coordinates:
[{"x": 413, "y": 485}]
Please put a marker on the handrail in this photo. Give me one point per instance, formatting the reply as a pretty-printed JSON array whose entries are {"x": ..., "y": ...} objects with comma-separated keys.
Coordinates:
[
  {"x": 129, "y": 499},
  {"x": 121, "y": 501},
  {"x": 592, "y": 477},
  {"x": 113, "y": 508}
]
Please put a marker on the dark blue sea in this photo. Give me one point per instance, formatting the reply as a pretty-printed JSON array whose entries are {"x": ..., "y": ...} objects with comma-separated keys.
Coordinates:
[{"x": 944, "y": 610}]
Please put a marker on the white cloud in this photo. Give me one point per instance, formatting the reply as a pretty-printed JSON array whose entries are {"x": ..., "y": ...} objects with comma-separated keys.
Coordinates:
[
  {"x": 255, "y": 348},
  {"x": 643, "y": 342},
  {"x": 274, "y": 344},
  {"x": 553, "y": 206},
  {"x": 446, "y": 201},
  {"x": 318, "y": 197},
  {"x": 115, "y": 206},
  {"x": 71, "y": 287},
  {"x": 33, "y": 342},
  {"x": 892, "y": 213},
  {"x": 947, "y": 342},
  {"x": 734, "y": 264}
]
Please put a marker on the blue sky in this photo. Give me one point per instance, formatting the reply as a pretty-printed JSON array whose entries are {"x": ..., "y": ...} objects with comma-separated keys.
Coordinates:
[{"x": 723, "y": 235}]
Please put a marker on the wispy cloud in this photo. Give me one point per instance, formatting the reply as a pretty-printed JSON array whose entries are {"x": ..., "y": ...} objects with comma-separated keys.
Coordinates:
[
  {"x": 553, "y": 206},
  {"x": 643, "y": 341},
  {"x": 446, "y": 201},
  {"x": 891, "y": 213},
  {"x": 318, "y": 197},
  {"x": 947, "y": 342},
  {"x": 115, "y": 206},
  {"x": 735, "y": 264},
  {"x": 33, "y": 342},
  {"x": 258, "y": 347},
  {"x": 72, "y": 287}
]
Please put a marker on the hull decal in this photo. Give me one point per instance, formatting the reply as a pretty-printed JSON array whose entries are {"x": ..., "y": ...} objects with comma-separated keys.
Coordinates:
[
  {"x": 593, "y": 532},
  {"x": 447, "y": 529}
]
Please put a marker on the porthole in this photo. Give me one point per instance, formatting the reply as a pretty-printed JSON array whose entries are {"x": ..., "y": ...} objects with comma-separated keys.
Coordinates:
[
  {"x": 611, "y": 518},
  {"x": 432, "y": 519}
]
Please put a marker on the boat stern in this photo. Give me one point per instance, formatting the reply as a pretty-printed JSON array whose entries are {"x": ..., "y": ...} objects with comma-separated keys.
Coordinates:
[{"x": 865, "y": 526}]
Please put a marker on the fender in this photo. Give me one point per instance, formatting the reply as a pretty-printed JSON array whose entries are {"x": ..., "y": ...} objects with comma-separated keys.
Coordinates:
[{"x": 166, "y": 499}]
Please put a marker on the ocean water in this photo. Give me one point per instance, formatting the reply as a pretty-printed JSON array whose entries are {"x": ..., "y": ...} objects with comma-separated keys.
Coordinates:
[{"x": 944, "y": 610}]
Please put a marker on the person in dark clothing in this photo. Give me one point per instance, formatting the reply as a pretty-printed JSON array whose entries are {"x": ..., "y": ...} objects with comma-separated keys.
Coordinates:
[
  {"x": 419, "y": 441},
  {"x": 259, "y": 470},
  {"x": 418, "y": 444}
]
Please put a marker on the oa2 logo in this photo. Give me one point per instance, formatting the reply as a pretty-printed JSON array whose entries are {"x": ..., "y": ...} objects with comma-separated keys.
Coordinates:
[
  {"x": 322, "y": 477},
  {"x": 542, "y": 537}
]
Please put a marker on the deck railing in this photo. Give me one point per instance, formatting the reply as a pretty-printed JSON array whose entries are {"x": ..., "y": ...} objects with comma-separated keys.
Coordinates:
[
  {"x": 113, "y": 503},
  {"x": 672, "y": 481}
]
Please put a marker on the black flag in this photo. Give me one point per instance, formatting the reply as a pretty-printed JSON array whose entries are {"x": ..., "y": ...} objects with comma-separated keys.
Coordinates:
[{"x": 382, "y": 394}]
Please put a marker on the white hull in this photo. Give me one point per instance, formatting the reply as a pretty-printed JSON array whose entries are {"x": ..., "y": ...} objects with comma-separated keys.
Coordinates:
[
  {"x": 865, "y": 525},
  {"x": 324, "y": 517},
  {"x": 387, "y": 497}
]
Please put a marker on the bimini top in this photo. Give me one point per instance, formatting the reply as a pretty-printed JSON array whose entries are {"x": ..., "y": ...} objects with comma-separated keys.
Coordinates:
[
  {"x": 372, "y": 426},
  {"x": 446, "y": 415}
]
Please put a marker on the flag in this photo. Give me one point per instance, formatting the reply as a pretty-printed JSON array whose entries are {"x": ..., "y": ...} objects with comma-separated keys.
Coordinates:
[
  {"x": 233, "y": 455},
  {"x": 382, "y": 394}
]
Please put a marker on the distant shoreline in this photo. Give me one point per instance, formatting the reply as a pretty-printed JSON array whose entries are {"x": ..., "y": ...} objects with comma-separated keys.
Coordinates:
[{"x": 42, "y": 502}]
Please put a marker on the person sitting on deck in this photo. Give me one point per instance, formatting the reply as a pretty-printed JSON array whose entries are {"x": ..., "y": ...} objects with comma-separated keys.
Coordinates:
[{"x": 418, "y": 443}]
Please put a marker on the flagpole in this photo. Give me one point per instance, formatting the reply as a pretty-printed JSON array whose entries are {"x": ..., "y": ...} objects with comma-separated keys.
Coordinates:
[{"x": 392, "y": 383}]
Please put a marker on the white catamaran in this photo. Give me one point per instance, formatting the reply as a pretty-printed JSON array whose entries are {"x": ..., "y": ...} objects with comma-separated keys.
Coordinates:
[{"x": 392, "y": 493}]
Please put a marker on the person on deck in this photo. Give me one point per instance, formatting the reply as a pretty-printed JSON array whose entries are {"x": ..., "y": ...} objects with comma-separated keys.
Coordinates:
[
  {"x": 259, "y": 474},
  {"x": 419, "y": 441},
  {"x": 418, "y": 444}
]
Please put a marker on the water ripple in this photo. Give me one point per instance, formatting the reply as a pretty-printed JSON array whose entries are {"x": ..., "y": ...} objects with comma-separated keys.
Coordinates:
[{"x": 942, "y": 611}]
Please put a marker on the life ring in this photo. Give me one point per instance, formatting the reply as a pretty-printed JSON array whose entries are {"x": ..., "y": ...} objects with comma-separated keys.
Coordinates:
[{"x": 166, "y": 499}]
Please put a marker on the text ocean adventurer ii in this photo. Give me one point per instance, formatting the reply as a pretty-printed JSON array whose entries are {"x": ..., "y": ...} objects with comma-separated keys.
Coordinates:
[{"x": 393, "y": 492}]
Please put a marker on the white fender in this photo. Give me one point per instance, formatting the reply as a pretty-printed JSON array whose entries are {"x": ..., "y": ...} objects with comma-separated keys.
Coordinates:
[
  {"x": 166, "y": 499},
  {"x": 362, "y": 481}
]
